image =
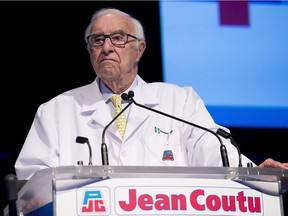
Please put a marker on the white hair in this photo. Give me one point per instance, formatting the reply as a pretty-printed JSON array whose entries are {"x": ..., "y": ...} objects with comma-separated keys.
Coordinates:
[{"x": 139, "y": 32}]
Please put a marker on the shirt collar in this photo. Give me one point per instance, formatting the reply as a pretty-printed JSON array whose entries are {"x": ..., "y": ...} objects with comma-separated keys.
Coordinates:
[{"x": 107, "y": 93}]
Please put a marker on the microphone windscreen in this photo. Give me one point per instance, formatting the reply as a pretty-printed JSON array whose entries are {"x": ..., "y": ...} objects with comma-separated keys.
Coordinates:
[
  {"x": 124, "y": 96},
  {"x": 11, "y": 187},
  {"x": 131, "y": 94},
  {"x": 82, "y": 140}
]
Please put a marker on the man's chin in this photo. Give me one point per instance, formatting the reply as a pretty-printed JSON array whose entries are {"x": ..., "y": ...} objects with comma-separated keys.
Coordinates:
[{"x": 107, "y": 74}]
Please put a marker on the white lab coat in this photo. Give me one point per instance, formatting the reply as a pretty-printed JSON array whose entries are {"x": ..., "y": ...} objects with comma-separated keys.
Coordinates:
[{"x": 83, "y": 112}]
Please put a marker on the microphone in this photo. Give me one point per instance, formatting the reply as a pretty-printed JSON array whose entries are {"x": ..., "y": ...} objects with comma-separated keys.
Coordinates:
[
  {"x": 11, "y": 191},
  {"x": 223, "y": 151},
  {"x": 104, "y": 149},
  {"x": 83, "y": 140},
  {"x": 227, "y": 135}
]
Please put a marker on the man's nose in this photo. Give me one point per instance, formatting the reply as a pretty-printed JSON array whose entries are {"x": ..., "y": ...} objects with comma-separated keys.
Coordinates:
[{"x": 107, "y": 45}]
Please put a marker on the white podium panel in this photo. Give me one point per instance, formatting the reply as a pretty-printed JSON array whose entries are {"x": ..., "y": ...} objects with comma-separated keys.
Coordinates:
[{"x": 122, "y": 190}]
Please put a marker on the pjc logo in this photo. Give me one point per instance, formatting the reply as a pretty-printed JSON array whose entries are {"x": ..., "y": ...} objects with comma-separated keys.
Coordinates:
[
  {"x": 92, "y": 202},
  {"x": 168, "y": 155}
]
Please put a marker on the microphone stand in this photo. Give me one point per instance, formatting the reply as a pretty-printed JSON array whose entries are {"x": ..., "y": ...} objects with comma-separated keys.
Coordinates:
[
  {"x": 223, "y": 150},
  {"x": 227, "y": 135},
  {"x": 104, "y": 150},
  {"x": 83, "y": 140},
  {"x": 11, "y": 192}
]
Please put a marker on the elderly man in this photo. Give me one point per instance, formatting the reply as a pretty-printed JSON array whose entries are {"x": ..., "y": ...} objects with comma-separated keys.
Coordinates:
[{"x": 139, "y": 137}]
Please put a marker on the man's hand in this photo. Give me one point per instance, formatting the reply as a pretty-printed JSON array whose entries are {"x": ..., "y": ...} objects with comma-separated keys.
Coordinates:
[{"x": 270, "y": 163}]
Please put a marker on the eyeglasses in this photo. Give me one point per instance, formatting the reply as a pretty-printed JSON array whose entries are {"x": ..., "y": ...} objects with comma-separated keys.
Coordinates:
[{"x": 117, "y": 39}]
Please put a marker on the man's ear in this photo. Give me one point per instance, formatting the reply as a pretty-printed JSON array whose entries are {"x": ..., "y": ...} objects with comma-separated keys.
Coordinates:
[{"x": 141, "y": 49}]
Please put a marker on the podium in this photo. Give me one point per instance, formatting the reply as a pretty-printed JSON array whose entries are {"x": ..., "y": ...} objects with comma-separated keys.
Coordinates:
[{"x": 149, "y": 190}]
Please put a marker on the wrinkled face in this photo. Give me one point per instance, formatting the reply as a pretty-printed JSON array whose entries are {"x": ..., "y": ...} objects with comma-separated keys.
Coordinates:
[{"x": 115, "y": 63}]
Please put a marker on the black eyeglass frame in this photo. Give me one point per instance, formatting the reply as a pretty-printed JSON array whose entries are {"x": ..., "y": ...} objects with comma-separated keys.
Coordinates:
[{"x": 109, "y": 36}]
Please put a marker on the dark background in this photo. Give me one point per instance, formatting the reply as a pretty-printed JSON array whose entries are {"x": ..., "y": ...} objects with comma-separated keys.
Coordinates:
[{"x": 43, "y": 54}]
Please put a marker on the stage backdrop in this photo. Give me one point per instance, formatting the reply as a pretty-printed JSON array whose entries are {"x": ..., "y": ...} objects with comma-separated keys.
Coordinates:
[{"x": 234, "y": 53}]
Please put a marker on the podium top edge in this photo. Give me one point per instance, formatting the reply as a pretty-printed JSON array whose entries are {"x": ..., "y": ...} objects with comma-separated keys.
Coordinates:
[{"x": 257, "y": 173}]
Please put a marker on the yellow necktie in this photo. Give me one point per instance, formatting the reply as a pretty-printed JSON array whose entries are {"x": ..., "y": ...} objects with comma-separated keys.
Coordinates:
[{"x": 121, "y": 121}]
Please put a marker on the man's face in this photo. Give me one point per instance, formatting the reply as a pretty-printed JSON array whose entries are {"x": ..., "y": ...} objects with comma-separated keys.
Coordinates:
[{"x": 115, "y": 63}]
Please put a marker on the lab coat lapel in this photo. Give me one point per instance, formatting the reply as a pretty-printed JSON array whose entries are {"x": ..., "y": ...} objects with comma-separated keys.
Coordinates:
[
  {"x": 136, "y": 117},
  {"x": 101, "y": 115},
  {"x": 94, "y": 106},
  {"x": 144, "y": 95}
]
